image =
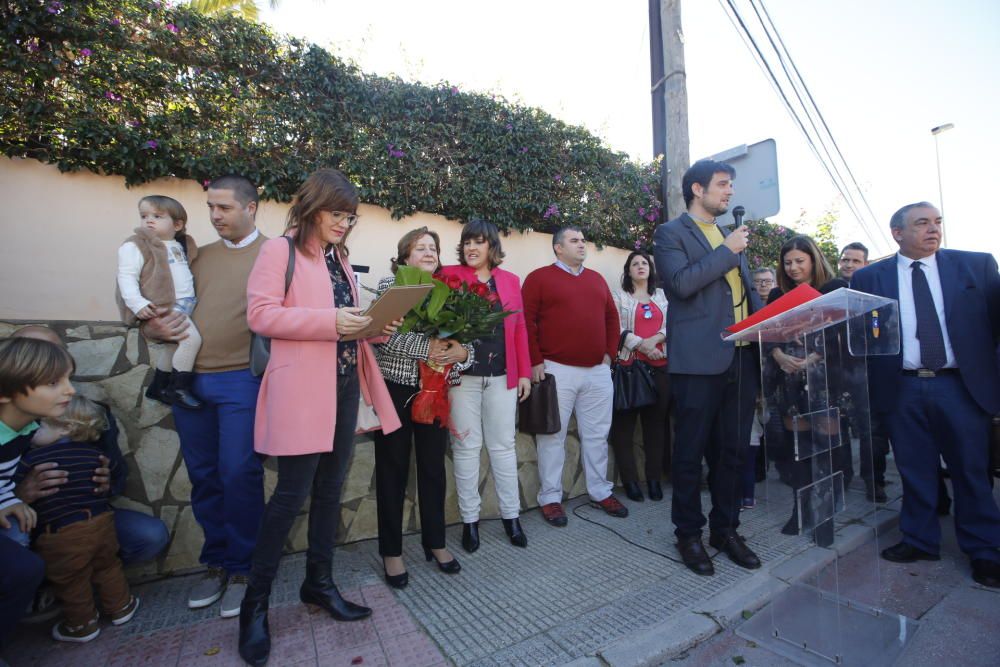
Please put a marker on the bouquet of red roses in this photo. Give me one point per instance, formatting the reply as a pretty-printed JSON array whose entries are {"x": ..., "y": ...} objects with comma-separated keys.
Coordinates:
[{"x": 453, "y": 309}]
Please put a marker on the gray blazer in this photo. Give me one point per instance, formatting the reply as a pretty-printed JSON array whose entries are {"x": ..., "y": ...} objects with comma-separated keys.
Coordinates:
[{"x": 701, "y": 304}]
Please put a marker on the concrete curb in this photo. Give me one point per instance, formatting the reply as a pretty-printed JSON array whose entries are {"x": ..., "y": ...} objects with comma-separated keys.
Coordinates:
[{"x": 661, "y": 642}]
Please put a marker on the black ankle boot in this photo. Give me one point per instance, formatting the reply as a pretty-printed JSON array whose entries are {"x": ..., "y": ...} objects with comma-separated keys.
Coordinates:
[
  {"x": 791, "y": 527},
  {"x": 632, "y": 491},
  {"x": 319, "y": 589},
  {"x": 179, "y": 390},
  {"x": 514, "y": 531},
  {"x": 157, "y": 389},
  {"x": 255, "y": 633},
  {"x": 470, "y": 536},
  {"x": 655, "y": 489}
]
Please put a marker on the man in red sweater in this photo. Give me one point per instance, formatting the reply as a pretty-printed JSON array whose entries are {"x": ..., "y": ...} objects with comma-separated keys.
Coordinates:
[{"x": 573, "y": 335}]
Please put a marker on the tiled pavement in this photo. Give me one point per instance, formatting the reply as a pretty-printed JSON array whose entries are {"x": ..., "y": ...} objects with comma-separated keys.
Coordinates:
[{"x": 573, "y": 591}]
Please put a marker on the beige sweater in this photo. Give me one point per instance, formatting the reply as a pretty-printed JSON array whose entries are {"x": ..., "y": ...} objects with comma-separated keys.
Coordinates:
[{"x": 220, "y": 280}]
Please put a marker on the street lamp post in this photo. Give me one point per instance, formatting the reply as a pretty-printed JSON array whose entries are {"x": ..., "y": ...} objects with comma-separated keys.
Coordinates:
[{"x": 937, "y": 158}]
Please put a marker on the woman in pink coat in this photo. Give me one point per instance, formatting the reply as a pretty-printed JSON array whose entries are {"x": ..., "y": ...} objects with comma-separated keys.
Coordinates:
[
  {"x": 484, "y": 404},
  {"x": 307, "y": 408}
]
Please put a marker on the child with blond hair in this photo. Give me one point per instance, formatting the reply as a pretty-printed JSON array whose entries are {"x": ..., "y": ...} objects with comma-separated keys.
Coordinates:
[
  {"x": 75, "y": 529},
  {"x": 154, "y": 276},
  {"x": 34, "y": 383}
]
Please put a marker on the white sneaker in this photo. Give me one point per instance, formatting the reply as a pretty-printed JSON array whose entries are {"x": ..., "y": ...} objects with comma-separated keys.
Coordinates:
[
  {"x": 125, "y": 614},
  {"x": 78, "y": 635},
  {"x": 233, "y": 596},
  {"x": 208, "y": 588}
]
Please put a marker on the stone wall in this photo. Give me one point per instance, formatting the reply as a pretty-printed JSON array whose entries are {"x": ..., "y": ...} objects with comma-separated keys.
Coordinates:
[{"x": 113, "y": 367}]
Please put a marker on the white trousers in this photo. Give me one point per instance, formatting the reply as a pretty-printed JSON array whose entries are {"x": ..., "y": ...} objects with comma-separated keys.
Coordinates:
[
  {"x": 483, "y": 410},
  {"x": 589, "y": 393}
]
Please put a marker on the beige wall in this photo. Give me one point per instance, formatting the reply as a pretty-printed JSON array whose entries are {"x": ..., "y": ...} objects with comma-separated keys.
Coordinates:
[{"x": 62, "y": 231}]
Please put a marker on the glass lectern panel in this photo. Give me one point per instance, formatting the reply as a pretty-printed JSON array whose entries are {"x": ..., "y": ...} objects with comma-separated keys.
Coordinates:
[{"x": 820, "y": 489}]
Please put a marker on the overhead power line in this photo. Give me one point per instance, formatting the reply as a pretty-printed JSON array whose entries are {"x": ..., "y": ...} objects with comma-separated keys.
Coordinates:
[{"x": 819, "y": 140}]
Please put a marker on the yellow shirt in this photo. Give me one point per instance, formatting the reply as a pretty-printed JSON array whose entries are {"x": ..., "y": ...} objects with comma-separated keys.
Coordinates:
[{"x": 714, "y": 237}]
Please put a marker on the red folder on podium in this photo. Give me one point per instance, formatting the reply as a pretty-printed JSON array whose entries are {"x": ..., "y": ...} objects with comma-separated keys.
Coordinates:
[{"x": 798, "y": 296}]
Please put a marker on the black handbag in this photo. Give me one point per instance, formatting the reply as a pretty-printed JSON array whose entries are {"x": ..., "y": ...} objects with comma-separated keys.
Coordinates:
[
  {"x": 260, "y": 346},
  {"x": 539, "y": 413},
  {"x": 634, "y": 384}
]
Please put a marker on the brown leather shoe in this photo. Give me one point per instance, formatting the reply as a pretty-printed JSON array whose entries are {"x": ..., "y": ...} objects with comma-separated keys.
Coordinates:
[
  {"x": 612, "y": 506},
  {"x": 733, "y": 546},
  {"x": 554, "y": 514},
  {"x": 694, "y": 555}
]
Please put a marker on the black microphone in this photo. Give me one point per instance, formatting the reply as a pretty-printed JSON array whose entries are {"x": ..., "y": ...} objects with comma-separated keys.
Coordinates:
[{"x": 738, "y": 214}]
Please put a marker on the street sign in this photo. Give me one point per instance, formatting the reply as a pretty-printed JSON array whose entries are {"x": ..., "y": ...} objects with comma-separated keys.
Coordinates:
[{"x": 756, "y": 184}]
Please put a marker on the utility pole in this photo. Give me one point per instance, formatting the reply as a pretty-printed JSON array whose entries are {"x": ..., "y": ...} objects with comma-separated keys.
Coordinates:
[{"x": 669, "y": 98}]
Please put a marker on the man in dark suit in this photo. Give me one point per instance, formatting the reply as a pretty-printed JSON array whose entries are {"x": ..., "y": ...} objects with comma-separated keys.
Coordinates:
[
  {"x": 705, "y": 276},
  {"x": 938, "y": 395}
]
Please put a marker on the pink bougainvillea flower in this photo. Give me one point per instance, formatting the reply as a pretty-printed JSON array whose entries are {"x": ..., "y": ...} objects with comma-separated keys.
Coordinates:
[
  {"x": 115, "y": 22},
  {"x": 152, "y": 144},
  {"x": 172, "y": 28},
  {"x": 133, "y": 123},
  {"x": 642, "y": 211},
  {"x": 551, "y": 211},
  {"x": 510, "y": 126},
  {"x": 33, "y": 45},
  {"x": 54, "y": 7},
  {"x": 558, "y": 177},
  {"x": 524, "y": 149},
  {"x": 86, "y": 53},
  {"x": 454, "y": 91},
  {"x": 113, "y": 96}
]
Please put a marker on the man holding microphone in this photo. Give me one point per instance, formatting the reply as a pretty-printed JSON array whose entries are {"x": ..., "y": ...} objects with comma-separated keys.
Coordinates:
[{"x": 708, "y": 284}]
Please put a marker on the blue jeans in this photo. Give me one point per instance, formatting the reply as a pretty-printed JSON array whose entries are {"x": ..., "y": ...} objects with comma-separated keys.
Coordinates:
[
  {"x": 141, "y": 537},
  {"x": 227, "y": 479},
  {"x": 20, "y": 576}
]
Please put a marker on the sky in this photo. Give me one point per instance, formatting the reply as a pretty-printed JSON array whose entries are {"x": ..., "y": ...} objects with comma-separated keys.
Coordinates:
[{"x": 883, "y": 73}]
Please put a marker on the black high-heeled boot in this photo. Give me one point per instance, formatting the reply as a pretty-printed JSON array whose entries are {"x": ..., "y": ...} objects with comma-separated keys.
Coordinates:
[
  {"x": 319, "y": 589},
  {"x": 655, "y": 489},
  {"x": 514, "y": 531},
  {"x": 451, "y": 567},
  {"x": 255, "y": 632},
  {"x": 470, "y": 536}
]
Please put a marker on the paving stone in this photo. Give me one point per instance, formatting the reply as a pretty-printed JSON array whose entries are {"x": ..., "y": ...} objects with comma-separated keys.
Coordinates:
[
  {"x": 411, "y": 650},
  {"x": 124, "y": 390},
  {"x": 156, "y": 456},
  {"x": 151, "y": 412},
  {"x": 95, "y": 357},
  {"x": 81, "y": 332},
  {"x": 368, "y": 655},
  {"x": 132, "y": 346},
  {"x": 180, "y": 485}
]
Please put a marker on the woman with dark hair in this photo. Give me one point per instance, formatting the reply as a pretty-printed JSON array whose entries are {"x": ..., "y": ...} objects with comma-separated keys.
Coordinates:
[
  {"x": 484, "y": 403},
  {"x": 307, "y": 408},
  {"x": 801, "y": 262},
  {"x": 399, "y": 358},
  {"x": 642, "y": 312}
]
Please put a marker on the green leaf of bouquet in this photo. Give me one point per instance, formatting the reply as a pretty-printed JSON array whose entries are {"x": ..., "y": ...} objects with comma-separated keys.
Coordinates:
[{"x": 439, "y": 294}]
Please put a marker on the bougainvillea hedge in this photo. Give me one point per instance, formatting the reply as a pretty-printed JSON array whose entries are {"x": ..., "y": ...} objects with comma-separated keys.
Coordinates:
[{"x": 144, "y": 90}]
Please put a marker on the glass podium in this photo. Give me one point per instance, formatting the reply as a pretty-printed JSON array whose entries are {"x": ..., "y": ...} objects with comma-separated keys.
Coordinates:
[{"x": 817, "y": 424}]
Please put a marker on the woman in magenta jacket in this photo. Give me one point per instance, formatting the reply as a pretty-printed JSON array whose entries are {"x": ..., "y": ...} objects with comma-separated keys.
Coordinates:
[
  {"x": 484, "y": 405},
  {"x": 307, "y": 408}
]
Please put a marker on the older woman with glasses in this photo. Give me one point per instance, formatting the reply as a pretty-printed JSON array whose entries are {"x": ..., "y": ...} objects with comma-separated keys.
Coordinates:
[
  {"x": 399, "y": 359},
  {"x": 642, "y": 312},
  {"x": 307, "y": 408}
]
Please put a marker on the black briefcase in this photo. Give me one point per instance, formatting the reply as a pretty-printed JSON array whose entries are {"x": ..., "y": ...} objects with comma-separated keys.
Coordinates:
[{"x": 539, "y": 413}]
